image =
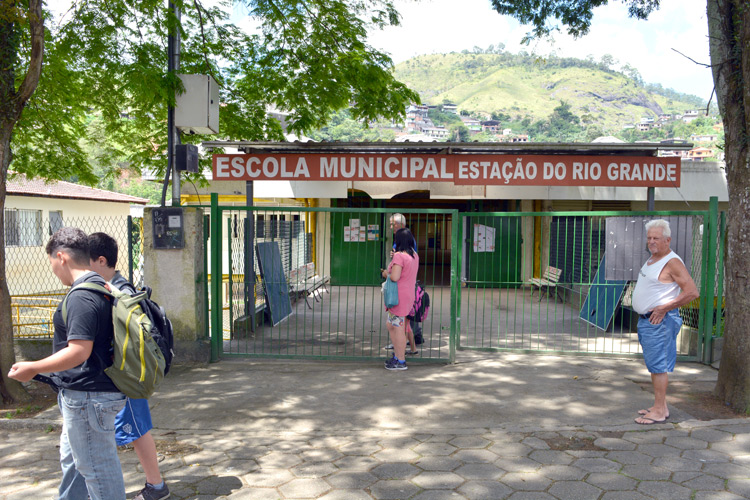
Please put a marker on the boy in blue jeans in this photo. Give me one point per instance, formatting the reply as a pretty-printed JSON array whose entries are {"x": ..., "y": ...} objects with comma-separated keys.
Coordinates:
[
  {"x": 87, "y": 397},
  {"x": 133, "y": 423}
]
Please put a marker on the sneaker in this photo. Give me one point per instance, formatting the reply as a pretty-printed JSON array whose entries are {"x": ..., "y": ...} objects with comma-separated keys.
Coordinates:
[
  {"x": 393, "y": 364},
  {"x": 151, "y": 493},
  {"x": 412, "y": 353},
  {"x": 390, "y": 346}
]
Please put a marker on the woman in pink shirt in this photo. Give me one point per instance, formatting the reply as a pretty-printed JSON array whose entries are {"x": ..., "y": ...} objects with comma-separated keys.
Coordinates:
[{"x": 403, "y": 270}]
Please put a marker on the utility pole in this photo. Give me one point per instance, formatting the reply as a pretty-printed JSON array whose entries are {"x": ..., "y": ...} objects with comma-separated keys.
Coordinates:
[{"x": 173, "y": 135}]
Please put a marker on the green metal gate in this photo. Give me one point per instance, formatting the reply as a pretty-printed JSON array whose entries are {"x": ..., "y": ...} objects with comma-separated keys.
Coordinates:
[
  {"x": 479, "y": 269},
  {"x": 579, "y": 309},
  {"x": 324, "y": 265}
]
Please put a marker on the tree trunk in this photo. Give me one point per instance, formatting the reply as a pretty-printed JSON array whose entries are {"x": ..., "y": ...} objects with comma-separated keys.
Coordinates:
[
  {"x": 729, "y": 41},
  {"x": 10, "y": 390},
  {"x": 12, "y": 102}
]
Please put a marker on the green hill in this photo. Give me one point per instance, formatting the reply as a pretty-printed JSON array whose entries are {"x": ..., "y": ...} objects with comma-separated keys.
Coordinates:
[{"x": 524, "y": 86}]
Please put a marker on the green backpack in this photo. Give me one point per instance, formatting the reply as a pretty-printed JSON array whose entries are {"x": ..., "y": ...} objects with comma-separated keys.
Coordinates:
[{"x": 138, "y": 364}]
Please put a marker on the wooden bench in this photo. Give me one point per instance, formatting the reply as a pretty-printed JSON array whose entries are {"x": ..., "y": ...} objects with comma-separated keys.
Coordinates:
[
  {"x": 304, "y": 280},
  {"x": 548, "y": 281}
]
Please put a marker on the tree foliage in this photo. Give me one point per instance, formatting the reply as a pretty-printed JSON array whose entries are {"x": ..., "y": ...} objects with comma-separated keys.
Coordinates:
[{"x": 108, "y": 59}]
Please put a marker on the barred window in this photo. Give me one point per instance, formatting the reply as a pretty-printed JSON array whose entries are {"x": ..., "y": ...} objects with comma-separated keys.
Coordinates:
[
  {"x": 55, "y": 221},
  {"x": 23, "y": 228}
]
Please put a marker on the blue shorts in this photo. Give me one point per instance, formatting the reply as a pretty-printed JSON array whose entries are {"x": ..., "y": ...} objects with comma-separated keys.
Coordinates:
[
  {"x": 133, "y": 421},
  {"x": 659, "y": 342}
]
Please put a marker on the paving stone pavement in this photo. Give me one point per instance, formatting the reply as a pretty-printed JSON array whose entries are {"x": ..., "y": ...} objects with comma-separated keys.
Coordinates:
[{"x": 446, "y": 458}]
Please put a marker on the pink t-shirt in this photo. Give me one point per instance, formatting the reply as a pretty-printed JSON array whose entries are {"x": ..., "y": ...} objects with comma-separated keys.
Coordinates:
[{"x": 409, "y": 267}]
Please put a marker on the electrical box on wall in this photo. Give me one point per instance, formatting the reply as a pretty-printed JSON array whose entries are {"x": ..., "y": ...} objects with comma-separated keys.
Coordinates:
[
  {"x": 168, "y": 227},
  {"x": 186, "y": 157},
  {"x": 197, "y": 109}
]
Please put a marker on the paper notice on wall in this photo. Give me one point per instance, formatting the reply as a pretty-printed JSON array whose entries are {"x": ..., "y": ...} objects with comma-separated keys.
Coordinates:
[
  {"x": 362, "y": 234},
  {"x": 489, "y": 239},
  {"x": 484, "y": 238},
  {"x": 347, "y": 233},
  {"x": 373, "y": 232},
  {"x": 354, "y": 223},
  {"x": 479, "y": 238}
]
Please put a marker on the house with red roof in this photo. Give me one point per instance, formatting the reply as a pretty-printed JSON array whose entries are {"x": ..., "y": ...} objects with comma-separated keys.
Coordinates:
[{"x": 36, "y": 208}]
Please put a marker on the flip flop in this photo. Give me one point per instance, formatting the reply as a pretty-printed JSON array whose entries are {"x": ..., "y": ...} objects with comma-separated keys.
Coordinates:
[
  {"x": 645, "y": 412},
  {"x": 651, "y": 421}
]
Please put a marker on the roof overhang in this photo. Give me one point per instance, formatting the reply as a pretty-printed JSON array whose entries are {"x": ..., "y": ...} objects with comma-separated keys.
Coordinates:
[{"x": 457, "y": 148}]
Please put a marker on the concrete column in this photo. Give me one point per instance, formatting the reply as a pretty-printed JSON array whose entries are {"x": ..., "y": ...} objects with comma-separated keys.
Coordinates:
[{"x": 176, "y": 277}]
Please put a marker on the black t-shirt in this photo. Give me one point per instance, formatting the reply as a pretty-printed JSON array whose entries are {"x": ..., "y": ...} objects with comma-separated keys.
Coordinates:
[{"x": 89, "y": 318}]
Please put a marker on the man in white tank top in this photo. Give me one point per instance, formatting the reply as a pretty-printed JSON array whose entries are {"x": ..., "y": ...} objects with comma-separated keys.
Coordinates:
[{"x": 664, "y": 284}]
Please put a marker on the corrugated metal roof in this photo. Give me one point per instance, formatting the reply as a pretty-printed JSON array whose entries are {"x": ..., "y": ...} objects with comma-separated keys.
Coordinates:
[
  {"x": 569, "y": 148},
  {"x": 20, "y": 185}
]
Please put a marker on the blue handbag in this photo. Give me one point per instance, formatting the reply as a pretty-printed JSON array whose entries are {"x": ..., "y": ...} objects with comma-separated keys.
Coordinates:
[{"x": 390, "y": 293}]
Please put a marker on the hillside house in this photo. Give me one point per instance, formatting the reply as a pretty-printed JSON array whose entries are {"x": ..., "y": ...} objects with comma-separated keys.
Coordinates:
[
  {"x": 472, "y": 124},
  {"x": 689, "y": 116},
  {"x": 700, "y": 154},
  {"x": 491, "y": 126},
  {"x": 450, "y": 108},
  {"x": 436, "y": 132},
  {"x": 703, "y": 138}
]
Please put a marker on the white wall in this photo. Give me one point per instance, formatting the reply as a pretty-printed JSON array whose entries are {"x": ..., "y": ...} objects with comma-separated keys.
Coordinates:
[{"x": 27, "y": 267}]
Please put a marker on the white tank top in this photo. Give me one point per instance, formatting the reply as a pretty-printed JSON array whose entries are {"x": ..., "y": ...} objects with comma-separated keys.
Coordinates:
[{"x": 649, "y": 291}]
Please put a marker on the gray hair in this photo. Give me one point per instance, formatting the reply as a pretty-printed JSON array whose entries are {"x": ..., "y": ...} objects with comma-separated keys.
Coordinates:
[
  {"x": 399, "y": 219},
  {"x": 663, "y": 224}
]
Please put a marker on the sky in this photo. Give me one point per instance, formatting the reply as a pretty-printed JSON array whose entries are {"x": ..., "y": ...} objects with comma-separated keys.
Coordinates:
[{"x": 438, "y": 26}]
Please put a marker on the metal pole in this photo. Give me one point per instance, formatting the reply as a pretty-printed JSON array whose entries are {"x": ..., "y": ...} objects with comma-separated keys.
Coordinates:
[
  {"x": 650, "y": 197},
  {"x": 250, "y": 256},
  {"x": 130, "y": 249},
  {"x": 710, "y": 232},
  {"x": 173, "y": 65},
  {"x": 217, "y": 314}
]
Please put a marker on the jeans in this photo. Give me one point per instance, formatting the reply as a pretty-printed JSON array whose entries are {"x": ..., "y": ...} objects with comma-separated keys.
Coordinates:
[{"x": 88, "y": 454}]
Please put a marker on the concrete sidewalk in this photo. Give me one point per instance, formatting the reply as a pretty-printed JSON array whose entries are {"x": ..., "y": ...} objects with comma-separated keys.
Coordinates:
[{"x": 491, "y": 426}]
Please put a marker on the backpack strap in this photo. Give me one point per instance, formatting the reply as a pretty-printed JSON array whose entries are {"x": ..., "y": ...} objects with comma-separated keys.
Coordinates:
[{"x": 82, "y": 286}]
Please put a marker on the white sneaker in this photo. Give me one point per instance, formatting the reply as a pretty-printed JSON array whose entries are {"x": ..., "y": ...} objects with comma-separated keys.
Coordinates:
[{"x": 390, "y": 346}]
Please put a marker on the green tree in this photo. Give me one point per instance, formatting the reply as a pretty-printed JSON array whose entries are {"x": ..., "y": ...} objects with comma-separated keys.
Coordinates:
[
  {"x": 459, "y": 133},
  {"x": 107, "y": 58},
  {"x": 728, "y": 26}
]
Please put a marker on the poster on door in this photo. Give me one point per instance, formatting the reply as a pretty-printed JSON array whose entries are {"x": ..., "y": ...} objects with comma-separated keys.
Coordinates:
[{"x": 484, "y": 238}]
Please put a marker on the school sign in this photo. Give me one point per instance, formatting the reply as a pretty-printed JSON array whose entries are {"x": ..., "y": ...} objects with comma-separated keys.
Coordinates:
[{"x": 459, "y": 169}]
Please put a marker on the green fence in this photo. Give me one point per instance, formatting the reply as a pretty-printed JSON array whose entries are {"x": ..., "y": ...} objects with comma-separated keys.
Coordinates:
[
  {"x": 305, "y": 282},
  {"x": 561, "y": 282},
  {"x": 314, "y": 291}
]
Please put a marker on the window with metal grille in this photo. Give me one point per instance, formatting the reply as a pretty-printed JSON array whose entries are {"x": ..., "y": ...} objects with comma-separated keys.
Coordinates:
[
  {"x": 55, "y": 221},
  {"x": 23, "y": 228}
]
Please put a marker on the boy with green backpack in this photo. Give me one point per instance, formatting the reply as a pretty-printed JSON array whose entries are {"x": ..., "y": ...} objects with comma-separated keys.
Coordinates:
[{"x": 87, "y": 397}]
